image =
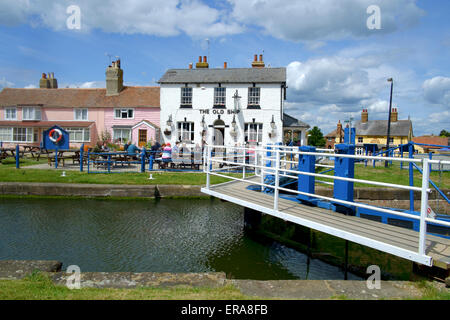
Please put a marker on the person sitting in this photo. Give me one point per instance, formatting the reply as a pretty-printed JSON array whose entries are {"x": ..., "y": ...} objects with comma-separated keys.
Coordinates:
[
  {"x": 132, "y": 149},
  {"x": 126, "y": 145},
  {"x": 166, "y": 154},
  {"x": 154, "y": 149},
  {"x": 105, "y": 147}
]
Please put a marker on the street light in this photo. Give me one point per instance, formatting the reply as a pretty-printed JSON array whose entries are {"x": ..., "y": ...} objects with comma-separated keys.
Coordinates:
[{"x": 389, "y": 121}]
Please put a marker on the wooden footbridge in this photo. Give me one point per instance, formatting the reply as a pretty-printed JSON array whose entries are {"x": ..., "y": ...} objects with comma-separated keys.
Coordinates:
[{"x": 418, "y": 246}]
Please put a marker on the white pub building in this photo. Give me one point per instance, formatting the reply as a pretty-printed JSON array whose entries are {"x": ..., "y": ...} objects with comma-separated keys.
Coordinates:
[{"x": 229, "y": 106}]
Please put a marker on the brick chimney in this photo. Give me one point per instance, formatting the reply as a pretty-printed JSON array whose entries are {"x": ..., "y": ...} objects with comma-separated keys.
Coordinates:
[
  {"x": 202, "y": 64},
  {"x": 394, "y": 115},
  {"x": 364, "y": 116},
  {"x": 52, "y": 80},
  {"x": 339, "y": 138},
  {"x": 114, "y": 79},
  {"x": 44, "y": 83},
  {"x": 256, "y": 63}
]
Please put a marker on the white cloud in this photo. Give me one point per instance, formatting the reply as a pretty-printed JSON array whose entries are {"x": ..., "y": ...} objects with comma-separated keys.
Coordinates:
[
  {"x": 440, "y": 117},
  {"x": 323, "y": 19},
  {"x": 5, "y": 84},
  {"x": 30, "y": 86},
  {"x": 437, "y": 90},
  {"x": 152, "y": 17}
]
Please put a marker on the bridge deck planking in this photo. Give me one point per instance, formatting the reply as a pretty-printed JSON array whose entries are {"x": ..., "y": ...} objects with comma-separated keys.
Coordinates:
[{"x": 438, "y": 248}]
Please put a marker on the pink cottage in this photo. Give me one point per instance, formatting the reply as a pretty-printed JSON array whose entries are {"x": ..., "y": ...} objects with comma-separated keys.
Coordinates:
[{"x": 126, "y": 113}]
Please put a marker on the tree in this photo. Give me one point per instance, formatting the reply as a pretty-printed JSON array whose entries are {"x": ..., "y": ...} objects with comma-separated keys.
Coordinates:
[
  {"x": 315, "y": 137},
  {"x": 444, "y": 133}
]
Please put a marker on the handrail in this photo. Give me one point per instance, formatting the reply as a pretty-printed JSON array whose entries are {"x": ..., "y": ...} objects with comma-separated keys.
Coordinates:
[{"x": 277, "y": 170}]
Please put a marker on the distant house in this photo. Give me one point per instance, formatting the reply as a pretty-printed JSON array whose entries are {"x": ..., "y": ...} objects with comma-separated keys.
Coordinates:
[
  {"x": 127, "y": 113},
  {"x": 334, "y": 137},
  {"x": 432, "y": 142},
  {"x": 294, "y": 130},
  {"x": 374, "y": 132}
]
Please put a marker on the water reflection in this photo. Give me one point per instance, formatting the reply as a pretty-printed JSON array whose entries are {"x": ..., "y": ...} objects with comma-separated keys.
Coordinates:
[{"x": 138, "y": 236}]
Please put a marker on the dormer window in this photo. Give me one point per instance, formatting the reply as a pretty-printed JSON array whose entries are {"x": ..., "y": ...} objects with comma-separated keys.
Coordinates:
[{"x": 31, "y": 113}]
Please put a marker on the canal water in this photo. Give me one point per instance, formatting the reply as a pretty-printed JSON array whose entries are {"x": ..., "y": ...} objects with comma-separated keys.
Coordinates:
[{"x": 152, "y": 236}]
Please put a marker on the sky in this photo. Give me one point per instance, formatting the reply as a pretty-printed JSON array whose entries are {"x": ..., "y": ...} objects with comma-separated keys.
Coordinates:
[{"x": 338, "y": 54}]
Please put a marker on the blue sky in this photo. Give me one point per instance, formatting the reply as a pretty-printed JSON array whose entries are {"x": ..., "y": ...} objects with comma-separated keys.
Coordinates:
[{"x": 335, "y": 64}]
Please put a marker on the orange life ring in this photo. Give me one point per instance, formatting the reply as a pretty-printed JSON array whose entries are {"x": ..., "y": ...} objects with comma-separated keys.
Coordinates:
[{"x": 52, "y": 138}]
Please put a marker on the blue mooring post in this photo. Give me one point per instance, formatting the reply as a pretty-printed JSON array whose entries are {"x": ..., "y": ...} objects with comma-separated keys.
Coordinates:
[
  {"x": 150, "y": 162},
  {"x": 81, "y": 157},
  {"x": 17, "y": 157},
  {"x": 143, "y": 155},
  {"x": 56, "y": 158},
  {"x": 411, "y": 177},
  {"x": 306, "y": 163},
  {"x": 344, "y": 167}
]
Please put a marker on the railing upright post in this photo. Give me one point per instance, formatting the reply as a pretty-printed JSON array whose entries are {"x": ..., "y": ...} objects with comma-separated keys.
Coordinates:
[
  {"x": 208, "y": 168},
  {"x": 244, "y": 162},
  {"x": 88, "y": 160},
  {"x": 424, "y": 206},
  {"x": 277, "y": 180},
  {"x": 109, "y": 163},
  {"x": 411, "y": 176},
  {"x": 143, "y": 156},
  {"x": 261, "y": 170}
]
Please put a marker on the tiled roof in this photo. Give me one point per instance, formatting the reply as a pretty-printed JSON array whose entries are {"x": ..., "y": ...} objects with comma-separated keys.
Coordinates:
[
  {"x": 46, "y": 124},
  {"x": 441, "y": 141},
  {"x": 333, "y": 134},
  {"x": 229, "y": 75},
  {"x": 75, "y": 97},
  {"x": 399, "y": 128},
  {"x": 289, "y": 121}
]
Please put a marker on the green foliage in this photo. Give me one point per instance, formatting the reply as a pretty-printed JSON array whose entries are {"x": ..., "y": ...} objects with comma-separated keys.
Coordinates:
[
  {"x": 105, "y": 136},
  {"x": 444, "y": 133},
  {"x": 315, "y": 137}
]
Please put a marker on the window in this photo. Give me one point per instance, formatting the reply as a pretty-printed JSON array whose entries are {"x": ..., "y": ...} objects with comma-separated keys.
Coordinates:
[
  {"x": 219, "y": 97},
  {"x": 31, "y": 113},
  {"x": 186, "y": 97},
  {"x": 81, "y": 114},
  {"x": 124, "y": 113},
  {"x": 18, "y": 135},
  {"x": 122, "y": 135},
  {"x": 185, "y": 131},
  {"x": 253, "y": 132},
  {"x": 10, "y": 114},
  {"x": 360, "y": 139},
  {"x": 79, "y": 134},
  {"x": 253, "y": 98},
  {"x": 6, "y": 134}
]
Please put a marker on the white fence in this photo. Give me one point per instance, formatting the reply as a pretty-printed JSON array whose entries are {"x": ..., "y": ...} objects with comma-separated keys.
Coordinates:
[{"x": 279, "y": 164}]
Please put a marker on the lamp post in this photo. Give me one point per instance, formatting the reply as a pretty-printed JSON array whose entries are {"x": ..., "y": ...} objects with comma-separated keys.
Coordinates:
[
  {"x": 349, "y": 121},
  {"x": 389, "y": 121}
]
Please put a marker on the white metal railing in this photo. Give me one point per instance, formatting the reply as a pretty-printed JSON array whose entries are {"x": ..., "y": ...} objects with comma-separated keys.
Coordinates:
[{"x": 261, "y": 161}]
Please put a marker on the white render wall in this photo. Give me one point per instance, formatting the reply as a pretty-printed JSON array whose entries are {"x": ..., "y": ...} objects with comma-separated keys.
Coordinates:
[{"x": 203, "y": 99}]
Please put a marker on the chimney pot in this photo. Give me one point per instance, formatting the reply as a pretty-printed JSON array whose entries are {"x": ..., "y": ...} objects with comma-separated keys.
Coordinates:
[
  {"x": 224, "y": 65},
  {"x": 199, "y": 58},
  {"x": 204, "y": 59},
  {"x": 256, "y": 58},
  {"x": 260, "y": 57}
]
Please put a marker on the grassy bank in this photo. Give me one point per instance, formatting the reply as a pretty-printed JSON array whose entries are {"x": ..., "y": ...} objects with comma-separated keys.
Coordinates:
[
  {"x": 40, "y": 287},
  {"x": 8, "y": 173}
]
